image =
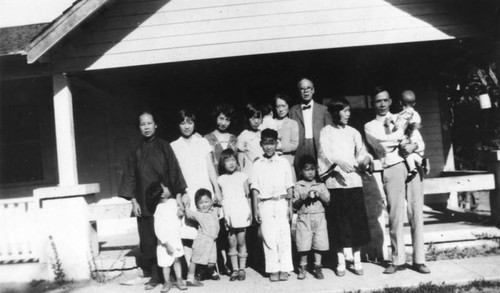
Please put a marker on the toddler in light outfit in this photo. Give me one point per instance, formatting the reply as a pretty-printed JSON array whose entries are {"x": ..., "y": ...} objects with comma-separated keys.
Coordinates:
[
  {"x": 309, "y": 199},
  {"x": 167, "y": 226},
  {"x": 204, "y": 247}
]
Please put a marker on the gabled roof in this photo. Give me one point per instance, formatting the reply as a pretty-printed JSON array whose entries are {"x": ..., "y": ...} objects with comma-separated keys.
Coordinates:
[
  {"x": 71, "y": 18},
  {"x": 15, "y": 39}
]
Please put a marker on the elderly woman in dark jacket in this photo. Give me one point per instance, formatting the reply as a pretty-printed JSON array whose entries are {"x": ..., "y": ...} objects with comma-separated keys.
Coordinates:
[{"x": 150, "y": 160}]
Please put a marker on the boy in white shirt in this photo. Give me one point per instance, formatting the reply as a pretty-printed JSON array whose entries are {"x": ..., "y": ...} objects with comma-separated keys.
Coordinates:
[{"x": 272, "y": 187}]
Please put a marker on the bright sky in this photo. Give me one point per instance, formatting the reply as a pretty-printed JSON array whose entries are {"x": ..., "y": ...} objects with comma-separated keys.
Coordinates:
[{"x": 23, "y": 12}]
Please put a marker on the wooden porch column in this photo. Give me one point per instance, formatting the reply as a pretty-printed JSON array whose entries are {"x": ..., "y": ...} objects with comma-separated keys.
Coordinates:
[
  {"x": 65, "y": 131},
  {"x": 66, "y": 234}
]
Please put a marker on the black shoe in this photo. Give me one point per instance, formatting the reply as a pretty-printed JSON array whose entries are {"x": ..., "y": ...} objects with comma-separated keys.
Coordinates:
[
  {"x": 392, "y": 269},
  {"x": 234, "y": 276},
  {"x": 215, "y": 277},
  {"x": 283, "y": 276},
  {"x": 421, "y": 268},
  {"x": 242, "y": 275},
  {"x": 318, "y": 273},
  {"x": 151, "y": 284},
  {"x": 411, "y": 175},
  {"x": 302, "y": 273}
]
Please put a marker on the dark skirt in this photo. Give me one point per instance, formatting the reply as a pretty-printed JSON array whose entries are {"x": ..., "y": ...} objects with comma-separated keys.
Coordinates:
[
  {"x": 347, "y": 220},
  {"x": 147, "y": 237}
]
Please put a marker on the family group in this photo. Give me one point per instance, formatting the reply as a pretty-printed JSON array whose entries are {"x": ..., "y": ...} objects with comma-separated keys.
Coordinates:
[{"x": 195, "y": 197}]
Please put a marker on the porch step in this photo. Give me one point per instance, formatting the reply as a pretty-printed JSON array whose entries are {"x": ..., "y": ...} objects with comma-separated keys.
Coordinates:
[
  {"x": 119, "y": 259},
  {"x": 119, "y": 252}
]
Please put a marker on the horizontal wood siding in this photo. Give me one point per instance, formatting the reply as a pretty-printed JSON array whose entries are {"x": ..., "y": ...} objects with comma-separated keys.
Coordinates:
[
  {"x": 148, "y": 32},
  {"x": 428, "y": 108}
]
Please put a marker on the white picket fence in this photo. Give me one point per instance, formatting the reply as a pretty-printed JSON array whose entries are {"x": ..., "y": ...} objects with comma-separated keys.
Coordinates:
[{"x": 18, "y": 230}]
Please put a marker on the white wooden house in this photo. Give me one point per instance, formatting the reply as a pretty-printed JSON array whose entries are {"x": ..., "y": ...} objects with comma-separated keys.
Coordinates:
[{"x": 102, "y": 61}]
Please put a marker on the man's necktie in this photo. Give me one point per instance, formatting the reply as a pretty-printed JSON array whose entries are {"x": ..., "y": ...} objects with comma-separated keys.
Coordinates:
[{"x": 387, "y": 125}]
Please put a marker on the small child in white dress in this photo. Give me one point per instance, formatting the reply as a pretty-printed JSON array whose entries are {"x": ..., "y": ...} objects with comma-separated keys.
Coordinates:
[
  {"x": 237, "y": 212},
  {"x": 167, "y": 226}
]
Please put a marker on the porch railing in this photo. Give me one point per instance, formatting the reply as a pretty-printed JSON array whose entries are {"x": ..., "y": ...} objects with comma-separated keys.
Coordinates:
[{"x": 18, "y": 230}]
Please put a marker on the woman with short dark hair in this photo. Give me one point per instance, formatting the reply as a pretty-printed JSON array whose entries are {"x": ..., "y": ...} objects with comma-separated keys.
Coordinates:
[
  {"x": 221, "y": 139},
  {"x": 195, "y": 159},
  {"x": 288, "y": 129},
  {"x": 151, "y": 160},
  {"x": 342, "y": 159}
]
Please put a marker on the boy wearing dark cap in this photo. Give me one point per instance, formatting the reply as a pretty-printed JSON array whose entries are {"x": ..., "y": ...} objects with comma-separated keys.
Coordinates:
[{"x": 272, "y": 187}]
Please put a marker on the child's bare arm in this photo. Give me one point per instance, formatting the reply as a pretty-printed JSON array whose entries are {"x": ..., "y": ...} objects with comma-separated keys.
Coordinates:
[
  {"x": 289, "y": 201},
  {"x": 189, "y": 213},
  {"x": 213, "y": 178},
  {"x": 255, "y": 200},
  {"x": 246, "y": 187},
  {"x": 324, "y": 195}
]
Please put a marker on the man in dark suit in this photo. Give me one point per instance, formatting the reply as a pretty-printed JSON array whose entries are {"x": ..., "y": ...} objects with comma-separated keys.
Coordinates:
[{"x": 311, "y": 117}]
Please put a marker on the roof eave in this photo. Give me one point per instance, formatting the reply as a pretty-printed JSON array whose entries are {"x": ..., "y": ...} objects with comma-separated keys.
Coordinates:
[{"x": 61, "y": 27}]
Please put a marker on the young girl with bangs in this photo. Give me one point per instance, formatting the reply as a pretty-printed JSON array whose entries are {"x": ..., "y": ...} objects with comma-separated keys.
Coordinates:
[{"x": 237, "y": 212}]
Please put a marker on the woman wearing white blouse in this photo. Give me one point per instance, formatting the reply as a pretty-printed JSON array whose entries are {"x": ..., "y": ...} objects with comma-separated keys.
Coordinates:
[
  {"x": 342, "y": 158},
  {"x": 194, "y": 154}
]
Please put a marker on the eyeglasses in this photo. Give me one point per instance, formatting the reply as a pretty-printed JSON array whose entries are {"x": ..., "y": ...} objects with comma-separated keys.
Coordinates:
[{"x": 303, "y": 89}]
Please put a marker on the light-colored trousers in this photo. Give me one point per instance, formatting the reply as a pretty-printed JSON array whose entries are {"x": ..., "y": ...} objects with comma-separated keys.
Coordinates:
[
  {"x": 276, "y": 235},
  {"x": 397, "y": 191}
]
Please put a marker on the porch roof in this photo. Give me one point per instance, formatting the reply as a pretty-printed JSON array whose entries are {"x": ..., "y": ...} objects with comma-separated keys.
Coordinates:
[
  {"x": 139, "y": 32},
  {"x": 15, "y": 39}
]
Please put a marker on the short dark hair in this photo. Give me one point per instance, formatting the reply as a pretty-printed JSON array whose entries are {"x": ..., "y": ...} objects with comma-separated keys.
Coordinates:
[
  {"x": 224, "y": 155},
  {"x": 377, "y": 90},
  {"x": 156, "y": 120},
  {"x": 226, "y": 109},
  {"x": 183, "y": 114},
  {"x": 268, "y": 133},
  {"x": 266, "y": 109},
  {"x": 153, "y": 196},
  {"x": 282, "y": 96},
  {"x": 201, "y": 193},
  {"x": 251, "y": 110},
  {"x": 307, "y": 160},
  {"x": 336, "y": 106}
]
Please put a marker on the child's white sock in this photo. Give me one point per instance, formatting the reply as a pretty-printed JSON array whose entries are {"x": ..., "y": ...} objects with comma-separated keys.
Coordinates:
[
  {"x": 341, "y": 261},
  {"x": 357, "y": 260}
]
